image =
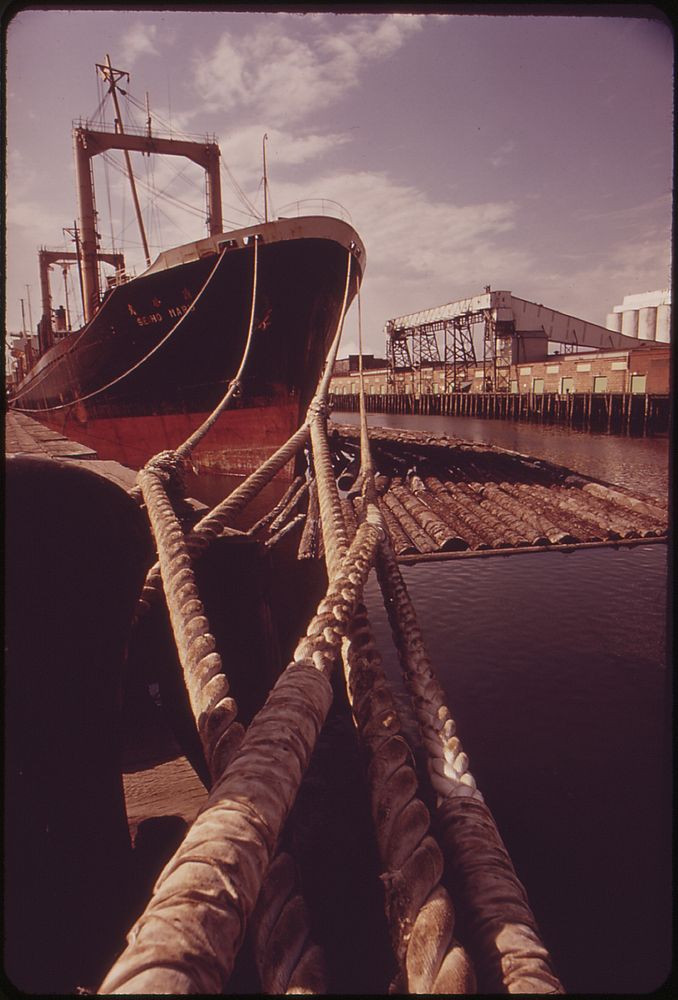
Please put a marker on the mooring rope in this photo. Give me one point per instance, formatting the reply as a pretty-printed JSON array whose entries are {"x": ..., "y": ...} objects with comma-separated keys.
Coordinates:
[
  {"x": 213, "y": 709},
  {"x": 216, "y": 522},
  {"x": 188, "y": 937},
  {"x": 502, "y": 933},
  {"x": 220, "y": 734},
  {"x": 118, "y": 378},
  {"x": 235, "y": 388},
  {"x": 184, "y": 451},
  {"x": 300, "y": 969},
  {"x": 503, "y": 937},
  {"x": 419, "y": 910},
  {"x": 418, "y": 907},
  {"x": 287, "y": 959}
]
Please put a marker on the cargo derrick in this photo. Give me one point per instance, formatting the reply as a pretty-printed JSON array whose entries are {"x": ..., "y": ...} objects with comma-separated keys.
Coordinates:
[
  {"x": 45, "y": 259},
  {"x": 90, "y": 142}
]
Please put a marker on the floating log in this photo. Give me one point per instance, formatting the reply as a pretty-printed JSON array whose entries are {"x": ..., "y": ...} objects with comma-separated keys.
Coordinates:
[
  {"x": 444, "y": 538},
  {"x": 494, "y": 516},
  {"x": 456, "y": 515},
  {"x": 525, "y": 522},
  {"x": 402, "y": 543},
  {"x": 633, "y": 503},
  {"x": 457, "y": 539},
  {"x": 566, "y": 524},
  {"x": 606, "y": 509},
  {"x": 311, "y": 536},
  {"x": 416, "y": 533}
]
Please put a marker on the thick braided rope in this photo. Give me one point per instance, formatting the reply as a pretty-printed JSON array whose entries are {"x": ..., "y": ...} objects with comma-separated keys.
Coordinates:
[
  {"x": 499, "y": 926},
  {"x": 419, "y": 909},
  {"x": 331, "y": 514},
  {"x": 207, "y": 687},
  {"x": 214, "y": 524},
  {"x": 215, "y": 714},
  {"x": 287, "y": 959},
  {"x": 188, "y": 937}
]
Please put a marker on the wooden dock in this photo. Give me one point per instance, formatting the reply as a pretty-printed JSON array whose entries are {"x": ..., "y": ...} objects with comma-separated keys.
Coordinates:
[
  {"x": 157, "y": 778},
  {"x": 25, "y": 436},
  {"x": 626, "y": 413}
]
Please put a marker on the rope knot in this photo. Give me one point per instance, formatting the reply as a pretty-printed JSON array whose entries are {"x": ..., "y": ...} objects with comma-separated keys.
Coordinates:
[
  {"x": 318, "y": 408},
  {"x": 171, "y": 467}
]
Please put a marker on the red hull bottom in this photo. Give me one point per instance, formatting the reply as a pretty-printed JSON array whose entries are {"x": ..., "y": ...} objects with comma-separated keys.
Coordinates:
[{"x": 237, "y": 444}]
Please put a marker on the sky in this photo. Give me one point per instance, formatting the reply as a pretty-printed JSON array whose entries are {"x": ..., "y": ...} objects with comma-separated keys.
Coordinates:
[{"x": 529, "y": 153}]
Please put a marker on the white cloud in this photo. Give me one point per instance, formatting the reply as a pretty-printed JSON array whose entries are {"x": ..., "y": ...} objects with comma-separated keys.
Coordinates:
[
  {"x": 242, "y": 150},
  {"x": 502, "y": 154},
  {"x": 420, "y": 252},
  {"x": 139, "y": 40},
  {"x": 272, "y": 70}
]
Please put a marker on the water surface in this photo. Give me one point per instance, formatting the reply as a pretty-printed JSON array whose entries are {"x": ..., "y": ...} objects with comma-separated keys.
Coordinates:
[{"x": 556, "y": 670}]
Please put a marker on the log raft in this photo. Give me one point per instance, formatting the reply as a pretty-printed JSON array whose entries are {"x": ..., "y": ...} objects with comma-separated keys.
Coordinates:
[{"x": 444, "y": 498}]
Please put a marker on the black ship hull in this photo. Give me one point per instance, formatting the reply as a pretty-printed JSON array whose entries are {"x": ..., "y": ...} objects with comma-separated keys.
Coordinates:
[{"x": 162, "y": 348}]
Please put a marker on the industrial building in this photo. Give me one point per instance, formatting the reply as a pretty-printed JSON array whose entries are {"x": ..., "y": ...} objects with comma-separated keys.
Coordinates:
[
  {"x": 646, "y": 315},
  {"x": 434, "y": 351}
]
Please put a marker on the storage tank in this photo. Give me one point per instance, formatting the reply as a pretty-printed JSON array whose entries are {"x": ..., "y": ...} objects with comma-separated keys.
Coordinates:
[
  {"x": 613, "y": 321},
  {"x": 647, "y": 323},
  {"x": 663, "y": 324},
  {"x": 630, "y": 323}
]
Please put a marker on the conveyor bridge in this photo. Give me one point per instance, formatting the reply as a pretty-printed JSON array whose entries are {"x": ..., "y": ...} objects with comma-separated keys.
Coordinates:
[{"x": 515, "y": 331}]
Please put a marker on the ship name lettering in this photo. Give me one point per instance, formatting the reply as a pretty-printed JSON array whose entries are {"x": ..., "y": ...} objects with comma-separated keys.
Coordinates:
[{"x": 149, "y": 318}]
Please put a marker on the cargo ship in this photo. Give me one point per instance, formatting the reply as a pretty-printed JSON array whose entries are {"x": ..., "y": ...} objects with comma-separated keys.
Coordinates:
[{"x": 158, "y": 351}]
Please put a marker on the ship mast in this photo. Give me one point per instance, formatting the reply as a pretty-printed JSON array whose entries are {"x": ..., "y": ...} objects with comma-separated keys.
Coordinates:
[
  {"x": 263, "y": 148},
  {"x": 90, "y": 142},
  {"x": 112, "y": 76}
]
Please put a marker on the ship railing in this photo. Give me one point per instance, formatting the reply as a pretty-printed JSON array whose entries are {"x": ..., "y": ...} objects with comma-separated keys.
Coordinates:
[
  {"x": 316, "y": 206},
  {"x": 101, "y": 126},
  {"x": 119, "y": 278}
]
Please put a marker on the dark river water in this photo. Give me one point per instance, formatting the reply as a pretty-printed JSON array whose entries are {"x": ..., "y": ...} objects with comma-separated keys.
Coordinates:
[{"x": 556, "y": 669}]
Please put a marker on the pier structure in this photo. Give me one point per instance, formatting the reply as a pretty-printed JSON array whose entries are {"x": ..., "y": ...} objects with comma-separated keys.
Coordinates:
[{"x": 515, "y": 331}]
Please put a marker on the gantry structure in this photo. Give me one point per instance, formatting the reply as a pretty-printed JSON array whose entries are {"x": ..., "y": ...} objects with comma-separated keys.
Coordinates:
[{"x": 514, "y": 331}]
